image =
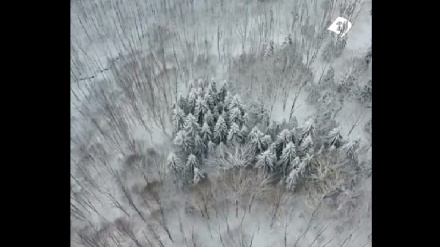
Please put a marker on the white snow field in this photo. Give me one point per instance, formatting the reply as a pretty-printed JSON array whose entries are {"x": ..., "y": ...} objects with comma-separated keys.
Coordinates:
[{"x": 130, "y": 61}]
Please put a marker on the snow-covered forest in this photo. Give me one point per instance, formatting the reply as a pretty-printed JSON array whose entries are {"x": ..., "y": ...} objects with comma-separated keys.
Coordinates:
[{"x": 220, "y": 123}]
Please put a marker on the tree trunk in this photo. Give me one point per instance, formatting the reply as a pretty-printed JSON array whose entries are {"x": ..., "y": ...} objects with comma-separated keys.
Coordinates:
[
  {"x": 250, "y": 203},
  {"x": 236, "y": 208}
]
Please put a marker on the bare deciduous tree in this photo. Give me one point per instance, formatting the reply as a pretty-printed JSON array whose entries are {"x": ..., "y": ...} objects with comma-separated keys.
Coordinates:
[
  {"x": 236, "y": 183},
  {"x": 260, "y": 184},
  {"x": 354, "y": 121}
]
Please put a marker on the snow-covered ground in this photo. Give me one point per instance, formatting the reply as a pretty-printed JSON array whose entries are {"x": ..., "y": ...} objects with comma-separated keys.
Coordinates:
[{"x": 106, "y": 31}]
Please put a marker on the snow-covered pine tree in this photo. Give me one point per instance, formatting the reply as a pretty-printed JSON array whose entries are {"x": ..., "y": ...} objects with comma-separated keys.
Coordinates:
[
  {"x": 200, "y": 109},
  {"x": 200, "y": 93},
  {"x": 244, "y": 132},
  {"x": 273, "y": 130},
  {"x": 191, "y": 85},
  {"x": 246, "y": 120},
  {"x": 306, "y": 146},
  {"x": 221, "y": 150},
  {"x": 181, "y": 102},
  {"x": 206, "y": 133},
  {"x": 287, "y": 157},
  {"x": 225, "y": 115},
  {"x": 294, "y": 134},
  {"x": 220, "y": 108},
  {"x": 283, "y": 138},
  {"x": 210, "y": 100},
  {"x": 334, "y": 138},
  {"x": 191, "y": 163},
  {"x": 258, "y": 141},
  {"x": 174, "y": 164},
  {"x": 324, "y": 122},
  {"x": 178, "y": 118},
  {"x": 255, "y": 131},
  {"x": 265, "y": 120},
  {"x": 306, "y": 130},
  {"x": 295, "y": 174},
  {"x": 235, "y": 102},
  {"x": 209, "y": 119},
  {"x": 216, "y": 112},
  {"x": 220, "y": 130},
  {"x": 351, "y": 148},
  {"x": 199, "y": 176},
  {"x": 184, "y": 141},
  {"x": 292, "y": 179},
  {"x": 199, "y": 146},
  {"x": 222, "y": 92},
  {"x": 236, "y": 117},
  {"x": 191, "y": 101},
  {"x": 305, "y": 163},
  {"x": 227, "y": 102},
  {"x": 272, "y": 148},
  {"x": 234, "y": 135},
  {"x": 213, "y": 86},
  {"x": 266, "y": 160},
  {"x": 204, "y": 84},
  {"x": 268, "y": 140},
  {"x": 191, "y": 126},
  {"x": 254, "y": 115},
  {"x": 211, "y": 147}
]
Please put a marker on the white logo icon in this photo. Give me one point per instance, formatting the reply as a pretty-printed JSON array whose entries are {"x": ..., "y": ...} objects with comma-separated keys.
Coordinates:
[{"x": 340, "y": 26}]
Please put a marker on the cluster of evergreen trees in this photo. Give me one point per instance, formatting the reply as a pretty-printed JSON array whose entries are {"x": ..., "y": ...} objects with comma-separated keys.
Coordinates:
[{"x": 210, "y": 123}]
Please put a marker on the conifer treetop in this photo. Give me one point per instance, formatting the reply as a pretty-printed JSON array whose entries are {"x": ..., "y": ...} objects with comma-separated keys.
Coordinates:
[
  {"x": 288, "y": 155},
  {"x": 192, "y": 160},
  {"x": 266, "y": 159},
  {"x": 173, "y": 161},
  {"x": 205, "y": 129},
  {"x": 198, "y": 175}
]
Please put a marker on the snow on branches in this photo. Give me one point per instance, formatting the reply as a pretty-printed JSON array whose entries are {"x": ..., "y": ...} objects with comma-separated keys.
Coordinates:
[{"x": 211, "y": 127}]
